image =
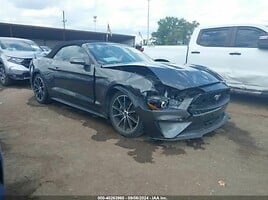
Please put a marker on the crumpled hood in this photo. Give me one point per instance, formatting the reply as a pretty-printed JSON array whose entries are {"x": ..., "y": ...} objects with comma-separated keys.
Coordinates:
[
  {"x": 23, "y": 54},
  {"x": 182, "y": 77},
  {"x": 179, "y": 77}
]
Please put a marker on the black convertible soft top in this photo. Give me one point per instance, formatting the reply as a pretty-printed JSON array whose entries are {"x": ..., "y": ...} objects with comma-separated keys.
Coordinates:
[{"x": 68, "y": 43}]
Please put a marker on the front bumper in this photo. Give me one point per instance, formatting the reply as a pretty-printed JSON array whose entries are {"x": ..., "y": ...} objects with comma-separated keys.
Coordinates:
[
  {"x": 17, "y": 72},
  {"x": 172, "y": 125}
]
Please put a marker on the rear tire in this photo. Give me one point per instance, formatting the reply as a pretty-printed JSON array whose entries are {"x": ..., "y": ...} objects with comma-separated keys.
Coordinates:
[
  {"x": 40, "y": 90},
  {"x": 4, "y": 79},
  {"x": 123, "y": 116}
]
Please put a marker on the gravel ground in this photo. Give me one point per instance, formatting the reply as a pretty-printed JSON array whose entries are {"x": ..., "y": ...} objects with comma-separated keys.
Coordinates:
[{"x": 58, "y": 150}]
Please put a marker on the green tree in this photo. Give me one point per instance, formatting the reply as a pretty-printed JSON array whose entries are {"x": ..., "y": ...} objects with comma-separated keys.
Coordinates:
[{"x": 173, "y": 31}]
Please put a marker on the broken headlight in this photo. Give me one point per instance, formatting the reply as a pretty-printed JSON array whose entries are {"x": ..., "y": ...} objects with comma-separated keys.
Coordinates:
[
  {"x": 163, "y": 102},
  {"x": 157, "y": 102}
]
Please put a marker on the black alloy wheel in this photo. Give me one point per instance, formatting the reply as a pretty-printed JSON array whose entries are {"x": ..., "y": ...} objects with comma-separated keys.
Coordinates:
[
  {"x": 124, "y": 117},
  {"x": 40, "y": 90},
  {"x": 4, "y": 79}
]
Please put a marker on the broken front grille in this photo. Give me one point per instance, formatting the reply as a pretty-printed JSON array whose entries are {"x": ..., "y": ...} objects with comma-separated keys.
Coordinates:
[{"x": 209, "y": 102}]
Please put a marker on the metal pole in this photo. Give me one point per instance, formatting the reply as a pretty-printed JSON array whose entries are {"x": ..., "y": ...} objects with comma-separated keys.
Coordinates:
[
  {"x": 95, "y": 22},
  {"x": 148, "y": 23},
  {"x": 63, "y": 19},
  {"x": 64, "y": 22}
]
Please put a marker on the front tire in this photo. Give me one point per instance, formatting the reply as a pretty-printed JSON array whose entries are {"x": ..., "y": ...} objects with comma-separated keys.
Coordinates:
[
  {"x": 4, "y": 79},
  {"x": 40, "y": 90},
  {"x": 124, "y": 117}
]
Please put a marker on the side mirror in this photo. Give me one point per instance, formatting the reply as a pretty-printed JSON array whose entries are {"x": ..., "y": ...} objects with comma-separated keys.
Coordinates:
[
  {"x": 263, "y": 42},
  {"x": 78, "y": 61}
]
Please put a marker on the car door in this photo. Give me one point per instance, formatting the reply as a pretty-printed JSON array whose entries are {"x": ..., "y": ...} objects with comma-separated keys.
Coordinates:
[
  {"x": 73, "y": 82},
  {"x": 249, "y": 64},
  {"x": 211, "y": 49}
]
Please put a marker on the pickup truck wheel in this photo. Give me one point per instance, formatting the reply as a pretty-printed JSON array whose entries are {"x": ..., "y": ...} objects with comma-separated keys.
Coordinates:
[
  {"x": 123, "y": 116},
  {"x": 4, "y": 79},
  {"x": 40, "y": 90}
]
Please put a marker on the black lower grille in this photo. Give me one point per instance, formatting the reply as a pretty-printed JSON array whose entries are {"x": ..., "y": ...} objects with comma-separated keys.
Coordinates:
[
  {"x": 208, "y": 102},
  {"x": 26, "y": 62},
  {"x": 204, "y": 123}
]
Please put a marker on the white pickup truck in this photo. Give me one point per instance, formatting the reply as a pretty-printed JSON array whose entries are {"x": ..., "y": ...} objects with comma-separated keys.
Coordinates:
[{"x": 239, "y": 53}]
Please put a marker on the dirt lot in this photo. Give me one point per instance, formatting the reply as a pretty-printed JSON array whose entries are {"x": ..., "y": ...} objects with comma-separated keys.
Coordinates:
[{"x": 55, "y": 149}]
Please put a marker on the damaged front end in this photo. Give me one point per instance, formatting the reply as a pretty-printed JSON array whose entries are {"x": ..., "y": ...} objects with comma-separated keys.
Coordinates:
[{"x": 172, "y": 114}]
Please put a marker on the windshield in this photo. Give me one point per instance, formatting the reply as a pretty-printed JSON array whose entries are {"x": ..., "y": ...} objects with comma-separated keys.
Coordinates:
[
  {"x": 106, "y": 54},
  {"x": 19, "y": 45}
]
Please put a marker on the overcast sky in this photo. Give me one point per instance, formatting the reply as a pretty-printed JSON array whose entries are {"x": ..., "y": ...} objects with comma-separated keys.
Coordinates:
[{"x": 130, "y": 16}]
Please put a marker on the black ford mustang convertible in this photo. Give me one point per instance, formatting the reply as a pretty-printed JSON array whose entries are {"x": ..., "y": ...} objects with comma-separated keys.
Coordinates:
[{"x": 138, "y": 95}]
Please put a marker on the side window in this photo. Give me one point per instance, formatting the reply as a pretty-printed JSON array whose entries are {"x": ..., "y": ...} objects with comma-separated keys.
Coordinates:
[
  {"x": 247, "y": 37},
  {"x": 66, "y": 53},
  {"x": 216, "y": 37}
]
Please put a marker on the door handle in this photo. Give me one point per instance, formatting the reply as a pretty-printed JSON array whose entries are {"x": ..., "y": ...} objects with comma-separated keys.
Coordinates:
[
  {"x": 195, "y": 52},
  {"x": 235, "y": 54}
]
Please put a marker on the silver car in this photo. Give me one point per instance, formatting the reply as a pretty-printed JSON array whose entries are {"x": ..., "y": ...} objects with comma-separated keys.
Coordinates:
[{"x": 15, "y": 57}]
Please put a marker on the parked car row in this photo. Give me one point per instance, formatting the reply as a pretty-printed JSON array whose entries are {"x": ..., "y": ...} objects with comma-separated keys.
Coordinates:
[
  {"x": 15, "y": 57},
  {"x": 138, "y": 95},
  {"x": 120, "y": 83}
]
